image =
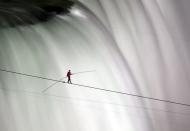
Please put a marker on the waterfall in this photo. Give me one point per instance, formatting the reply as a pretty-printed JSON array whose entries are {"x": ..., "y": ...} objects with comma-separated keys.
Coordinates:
[{"x": 138, "y": 48}]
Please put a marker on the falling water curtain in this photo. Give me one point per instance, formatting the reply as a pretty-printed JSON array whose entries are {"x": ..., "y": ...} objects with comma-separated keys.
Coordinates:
[{"x": 138, "y": 51}]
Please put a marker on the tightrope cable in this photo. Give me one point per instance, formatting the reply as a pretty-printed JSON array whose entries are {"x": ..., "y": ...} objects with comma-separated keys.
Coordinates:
[
  {"x": 107, "y": 90},
  {"x": 66, "y": 77}
]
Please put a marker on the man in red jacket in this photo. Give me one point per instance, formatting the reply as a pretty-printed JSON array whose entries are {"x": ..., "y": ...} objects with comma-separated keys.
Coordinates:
[{"x": 69, "y": 76}]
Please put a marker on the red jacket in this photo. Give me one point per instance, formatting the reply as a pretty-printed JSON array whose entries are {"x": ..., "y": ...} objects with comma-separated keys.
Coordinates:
[{"x": 69, "y": 74}]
